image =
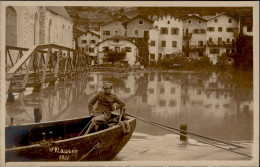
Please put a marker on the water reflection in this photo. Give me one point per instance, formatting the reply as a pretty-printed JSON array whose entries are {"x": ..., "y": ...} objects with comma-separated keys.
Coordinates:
[{"x": 213, "y": 104}]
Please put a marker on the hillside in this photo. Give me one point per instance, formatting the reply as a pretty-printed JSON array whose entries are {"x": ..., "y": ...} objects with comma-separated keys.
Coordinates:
[{"x": 93, "y": 17}]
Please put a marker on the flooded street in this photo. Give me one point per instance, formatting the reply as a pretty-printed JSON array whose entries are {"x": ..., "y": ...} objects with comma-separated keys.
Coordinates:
[{"x": 216, "y": 105}]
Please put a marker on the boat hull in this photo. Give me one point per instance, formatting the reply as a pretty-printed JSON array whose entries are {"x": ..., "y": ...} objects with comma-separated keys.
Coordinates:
[{"x": 99, "y": 146}]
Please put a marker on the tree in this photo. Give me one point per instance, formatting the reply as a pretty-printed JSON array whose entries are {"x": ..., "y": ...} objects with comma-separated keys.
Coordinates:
[
  {"x": 222, "y": 62},
  {"x": 113, "y": 56}
]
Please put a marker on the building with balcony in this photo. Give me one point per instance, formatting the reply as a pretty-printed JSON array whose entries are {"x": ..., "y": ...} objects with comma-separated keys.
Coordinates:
[
  {"x": 112, "y": 28},
  {"x": 222, "y": 30},
  {"x": 88, "y": 41},
  {"x": 194, "y": 36},
  {"x": 165, "y": 38},
  {"x": 118, "y": 45}
]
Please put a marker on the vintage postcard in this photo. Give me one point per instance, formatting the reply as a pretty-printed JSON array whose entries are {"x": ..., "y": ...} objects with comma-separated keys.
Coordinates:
[{"x": 129, "y": 83}]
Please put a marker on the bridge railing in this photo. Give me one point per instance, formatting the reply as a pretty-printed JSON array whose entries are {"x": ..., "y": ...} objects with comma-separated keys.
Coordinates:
[{"x": 42, "y": 63}]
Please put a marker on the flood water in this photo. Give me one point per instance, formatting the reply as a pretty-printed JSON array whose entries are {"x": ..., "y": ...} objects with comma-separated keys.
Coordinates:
[{"x": 217, "y": 105}]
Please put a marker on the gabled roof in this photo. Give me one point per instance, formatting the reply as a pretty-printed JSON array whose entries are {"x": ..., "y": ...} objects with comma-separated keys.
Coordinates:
[
  {"x": 77, "y": 32},
  {"x": 111, "y": 21},
  {"x": 92, "y": 32},
  {"x": 187, "y": 17},
  {"x": 151, "y": 21},
  {"x": 224, "y": 13},
  {"x": 60, "y": 10},
  {"x": 119, "y": 37}
]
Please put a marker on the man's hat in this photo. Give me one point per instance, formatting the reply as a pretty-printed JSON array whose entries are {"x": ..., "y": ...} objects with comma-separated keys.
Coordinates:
[{"x": 107, "y": 85}]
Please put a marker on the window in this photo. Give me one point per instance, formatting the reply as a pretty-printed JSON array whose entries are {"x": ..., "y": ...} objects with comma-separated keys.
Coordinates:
[
  {"x": 162, "y": 90},
  {"x": 196, "y": 31},
  {"x": 164, "y": 30},
  {"x": 172, "y": 90},
  {"x": 215, "y": 20},
  {"x": 116, "y": 40},
  {"x": 230, "y": 20},
  {"x": 116, "y": 32},
  {"x": 174, "y": 44},
  {"x": 200, "y": 53},
  {"x": 141, "y": 22},
  {"x": 227, "y": 50},
  {"x": 199, "y": 21},
  {"x": 229, "y": 29},
  {"x": 105, "y": 49},
  {"x": 160, "y": 55},
  {"x": 172, "y": 103},
  {"x": 162, "y": 103},
  {"x": 106, "y": 32},
  {"x": 163, "y": 44},
  {"x": 200, "y": 43},
  {"x": 83, "y": 41},
  {"x": 211, "y": 29},
  {"x": 210, "y": 39},
  {"x": 152, "y": 56},
  {"x": 136, "y": 32},
  {"x": 228, "y": 40},
  {"x": 220, "y": 29},
  {"x": 151, "y": 91},
  {"x": 233, "y": 50},
  {"x": 214, "y": 51},
  {"x": 249, "y": 28},
  {"x": 128, "y": 49},
  {"x": 155, "y": 26},
  {"x": 189, "y": 21},
  {"x": 219, "y": 40},
  {"x": 233, "y": 41},
  {"x": 91, "y": 50},
  {"x": 92, "y": 41},
  {"x": 168, "y": 22},
  {"x": 175, "y": 31},
  {"x": 152, "y": 43},
  {"x": 202, "y": 31}
]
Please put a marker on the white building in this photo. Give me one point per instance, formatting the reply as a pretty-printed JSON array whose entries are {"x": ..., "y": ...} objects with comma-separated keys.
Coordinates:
[
  {"x": 166, "y": 38},
  {"x": 222, "y": 30},
  {"x": 88, "y": 41},
  {"x": 118, "y": 44},
  {"x": 112, "y": 28}
]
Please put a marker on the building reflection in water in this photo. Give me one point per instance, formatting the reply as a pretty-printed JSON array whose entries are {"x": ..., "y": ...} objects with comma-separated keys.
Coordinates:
[{"x": 199, "y": 99}]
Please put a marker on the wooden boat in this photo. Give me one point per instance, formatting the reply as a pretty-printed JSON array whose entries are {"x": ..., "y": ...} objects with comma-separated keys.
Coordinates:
[{"x": 60, "y": 141}]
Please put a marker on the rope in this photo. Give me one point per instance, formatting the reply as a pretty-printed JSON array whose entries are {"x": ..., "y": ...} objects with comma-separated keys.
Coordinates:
[
  {"x": 125, "y": 125},
  {"x": 193, "y": 133},
  {"x": 162, "y": 127}
]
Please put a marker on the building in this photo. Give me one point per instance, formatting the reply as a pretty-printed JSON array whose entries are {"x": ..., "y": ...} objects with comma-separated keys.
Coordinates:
[
  {"x": 194, "y": 36},
  {"x": 87, "y": 42},
  {"x": 222, "y": 30},
  {"x": 138, "y": 27},
  {"x": 118, "y": 45},
  {"x": 112, "y": 28},
  {"x": 165, "y": 38},
  {"x": 38, "y": 25}
]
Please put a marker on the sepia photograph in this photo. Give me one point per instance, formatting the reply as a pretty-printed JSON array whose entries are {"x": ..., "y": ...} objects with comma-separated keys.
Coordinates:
[{"x": 127, "y": 84}]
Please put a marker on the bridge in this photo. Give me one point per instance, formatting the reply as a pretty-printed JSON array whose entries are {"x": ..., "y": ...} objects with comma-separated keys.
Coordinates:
[{"x": 41, "y": 65}]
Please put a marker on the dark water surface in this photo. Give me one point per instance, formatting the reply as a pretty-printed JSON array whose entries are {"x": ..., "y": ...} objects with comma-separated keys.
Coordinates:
[{"x": 218, "y": 105}]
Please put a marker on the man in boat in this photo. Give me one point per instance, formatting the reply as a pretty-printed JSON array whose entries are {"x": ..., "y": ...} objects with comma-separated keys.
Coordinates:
[{"x": 105, "y": 106}]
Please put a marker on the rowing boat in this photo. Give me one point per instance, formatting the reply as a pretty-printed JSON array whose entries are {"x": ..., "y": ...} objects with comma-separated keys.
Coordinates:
[{"x": 62, "y": 140}]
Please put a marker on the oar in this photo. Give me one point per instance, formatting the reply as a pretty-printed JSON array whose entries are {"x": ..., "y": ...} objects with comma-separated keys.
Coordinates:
[{"x": 85, "y": 126}]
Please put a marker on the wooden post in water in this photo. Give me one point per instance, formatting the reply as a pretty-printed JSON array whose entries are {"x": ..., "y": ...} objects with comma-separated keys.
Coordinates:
[
  {"x": 36, "y": 115},
  {"x": 183, "y": 127}
]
